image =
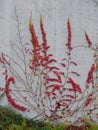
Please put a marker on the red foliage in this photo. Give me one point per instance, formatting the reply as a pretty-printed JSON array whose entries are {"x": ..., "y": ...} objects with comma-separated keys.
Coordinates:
[
  {"x": 70, "y": 96},
  {"x": 88, "y": 40},
  {"x": 3, "y": 60},
  {"x": 36, "y": 46},
  {"x": 10, "y": 99},
  {"x": 89, "y": 99},
  {"x": 33, "y": 35},
  {"x": 64, "y": 104},
  {"x": 69, "y": 35},
  {"x": 44, "y": 44},
  {"x": 63, "y": 64},
  {"x": 5, "y": 73},
  {"x": 76, "y": 87},
  {"x": 77, "y": 74},
  {"x": 90, "y": 74},
  {"x": 50, "y": 88},
  {"x": 74, "y": 63},
  {"x": 53, "y": 68}
]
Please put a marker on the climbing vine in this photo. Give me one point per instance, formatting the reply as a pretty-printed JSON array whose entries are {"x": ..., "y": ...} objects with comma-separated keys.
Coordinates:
[{"x": 35, "y": 82}]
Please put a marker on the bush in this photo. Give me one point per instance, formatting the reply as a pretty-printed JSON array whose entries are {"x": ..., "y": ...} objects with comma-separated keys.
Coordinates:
[
  {"x": 10, "y": 120},
  {"x": 9, "y": 116}
]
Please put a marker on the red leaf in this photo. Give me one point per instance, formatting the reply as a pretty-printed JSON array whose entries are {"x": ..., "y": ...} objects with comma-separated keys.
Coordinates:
[
  {"x": 90, "y": 73},
  {"x": 64, "y": 104},
  {"x": 4, "y": 60},
  {"x": 52, "y": 68},
  {"x": 52, "y": 60},
  {"x": 63, "y": 64},
  {"x": 71, "y": 96},
  {"x": 74, "y": 63},
  {"x": 75, "y": 73},
  {"x": 56, "y": 87},
  {"x": 89, "y": 99},
  {"x": 58, "y": 75},
  {"x": 75, "y": 86},
  {"x": 52, "y": 79},
  {"x": 88, "y": 40}
]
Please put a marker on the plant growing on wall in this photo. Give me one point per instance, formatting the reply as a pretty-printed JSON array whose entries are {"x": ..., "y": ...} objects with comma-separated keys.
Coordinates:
[{"x": 34, "y": 82}]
